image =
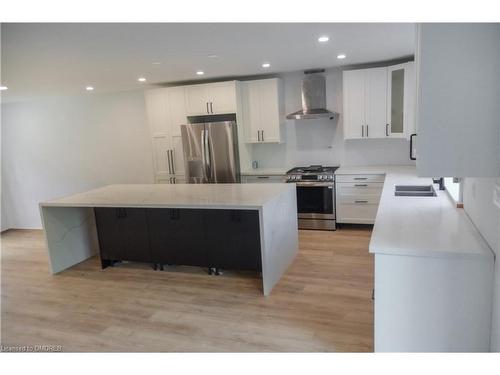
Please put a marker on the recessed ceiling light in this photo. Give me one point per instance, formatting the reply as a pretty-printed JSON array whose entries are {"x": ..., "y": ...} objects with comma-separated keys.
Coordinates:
[
  {"x": 89, "y": 88},
  {"x": 341, "y": 56},
  {"x": 156, "y": 63},
  {"x": 213, "y": 56},
  {"x": 200, "y": 72},
  {"x": 323, "y": 39},
  {"x": 2, "y": 88},
  {"x": 141, "y": 79},
  {"x": 266, "y": 65}
]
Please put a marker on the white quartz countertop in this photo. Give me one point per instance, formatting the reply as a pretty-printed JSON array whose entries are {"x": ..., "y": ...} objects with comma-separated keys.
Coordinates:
[
  {"x": 420, "y": 226},
  {"x": 230, "y": 196},
  {"x": 265, "y": 172}
]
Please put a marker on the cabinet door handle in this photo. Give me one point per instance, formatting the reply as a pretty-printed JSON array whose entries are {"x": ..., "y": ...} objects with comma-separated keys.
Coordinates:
[
  {"x": 367, "y": 130},
  {"x": 360, "y": 201},
  {"x": 207, "y": 109},
  {"x": 121, "y": 213},
  {"x": 172, "y": 161},
  {"x": 263, "y": 177},
  {"x": 211, "y": 108},
  {"x": 411, "y": 147},
  {"x": 361, "y": 178},
  {"x": 175, "y": 214},
  {"x": 258, "y": 135},
  {"x": 362, "y": 131},
  {"x": 386, "y": 130},
  {"x": 361, "y": 185},
  {"x": 168, "y": 162},
  {"x": 262, "y": 135}
]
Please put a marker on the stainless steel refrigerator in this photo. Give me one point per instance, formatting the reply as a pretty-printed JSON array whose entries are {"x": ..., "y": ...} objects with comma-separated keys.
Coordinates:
[{"x": 210, "y": 146}]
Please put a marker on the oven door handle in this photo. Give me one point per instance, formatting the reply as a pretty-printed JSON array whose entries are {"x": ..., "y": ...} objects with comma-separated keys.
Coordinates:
[{"x": 315, "y": 184}]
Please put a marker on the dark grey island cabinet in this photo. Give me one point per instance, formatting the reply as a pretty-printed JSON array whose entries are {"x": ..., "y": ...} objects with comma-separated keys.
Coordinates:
[
  {"x": 213, "y": 238},
  {"x": 122, "y": 234},
  {"x": 218, "y": 226}
]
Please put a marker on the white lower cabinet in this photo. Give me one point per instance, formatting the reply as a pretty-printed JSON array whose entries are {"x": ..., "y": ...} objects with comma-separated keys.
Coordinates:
[
  {"x": 358, "y": 197},
  {"x": 255, "y": 179},
  {"x": 428, "y": 304}
]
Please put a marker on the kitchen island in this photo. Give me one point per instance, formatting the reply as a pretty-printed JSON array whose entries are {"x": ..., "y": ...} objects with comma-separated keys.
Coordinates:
[{"x": 240, "y": 226}]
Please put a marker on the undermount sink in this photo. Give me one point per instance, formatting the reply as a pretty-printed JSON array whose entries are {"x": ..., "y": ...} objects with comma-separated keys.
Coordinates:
[{"x": 414, "y": 191}]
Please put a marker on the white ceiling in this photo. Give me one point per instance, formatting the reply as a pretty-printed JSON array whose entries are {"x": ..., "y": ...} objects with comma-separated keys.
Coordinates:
[{"x": 58, "y": 59}]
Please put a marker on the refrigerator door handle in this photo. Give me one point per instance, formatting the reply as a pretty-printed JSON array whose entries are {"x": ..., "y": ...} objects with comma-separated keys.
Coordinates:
[
  {"x": 206, "y": 154},
  {"x": 209, "y": 161},
  {"x": 203, "y": 154}
]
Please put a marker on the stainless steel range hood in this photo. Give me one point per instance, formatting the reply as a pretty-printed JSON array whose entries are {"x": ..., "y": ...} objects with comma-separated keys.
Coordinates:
[{"x": 313, "y": 98}]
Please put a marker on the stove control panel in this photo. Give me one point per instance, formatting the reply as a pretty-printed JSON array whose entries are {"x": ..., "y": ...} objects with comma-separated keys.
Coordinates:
[
  {"x": 293, "y": 177},
  {"x": 319, "y": 177}
]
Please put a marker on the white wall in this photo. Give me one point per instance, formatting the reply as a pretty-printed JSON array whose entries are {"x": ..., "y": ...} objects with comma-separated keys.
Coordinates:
[
  {"x": 321, "y": 141},
  {"x": 478, "y": 203},
  {"x": 53, "y": 147}
]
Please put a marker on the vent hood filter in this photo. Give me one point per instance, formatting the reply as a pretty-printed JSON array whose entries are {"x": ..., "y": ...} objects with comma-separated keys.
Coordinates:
[{"x": 313, "y": 98}]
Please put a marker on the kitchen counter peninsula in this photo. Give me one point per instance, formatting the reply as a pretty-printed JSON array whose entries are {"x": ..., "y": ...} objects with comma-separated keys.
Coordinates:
[{"x": 218, "y": 226}]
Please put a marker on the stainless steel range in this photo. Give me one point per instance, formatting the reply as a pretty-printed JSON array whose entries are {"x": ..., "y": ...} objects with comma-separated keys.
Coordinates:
[{"x": 315, "y": 196}]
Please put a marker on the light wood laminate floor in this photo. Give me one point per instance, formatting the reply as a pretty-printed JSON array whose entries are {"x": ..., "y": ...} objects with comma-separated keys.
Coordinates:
[{"x": 323, "y": 303}]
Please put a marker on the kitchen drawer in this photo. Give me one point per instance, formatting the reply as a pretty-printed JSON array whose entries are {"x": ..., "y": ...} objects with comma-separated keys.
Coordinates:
[
  {"x": 356, "y": 213},
  {"x": 359, "y": 178},
  {"x": 358, "y": 199},
  {"x": 359, "y": 188},
  {"x": 262, "y": 179}
]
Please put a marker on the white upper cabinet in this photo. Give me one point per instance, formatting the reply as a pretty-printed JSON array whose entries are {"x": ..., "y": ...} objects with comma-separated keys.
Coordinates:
[
  {"x": 354, "y": 104},
  {"x": 222, "y": 97},
  {"x": 375, "y": 102},
  {"x": 211, "y": 98},
  {"x": 379, "y": 102},
  {"x": 176, "y": 101},
  {"x": 197, "y": 100},
  {"x": 263, "y": 110},
  {"x": 157, "y": 109},
  {"x": 458, "y": 110},
  {"x": 401, "y": 94}
]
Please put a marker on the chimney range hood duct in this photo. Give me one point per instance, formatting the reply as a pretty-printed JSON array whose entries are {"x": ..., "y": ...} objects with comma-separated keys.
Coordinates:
[{"x": 313, "y": 98}]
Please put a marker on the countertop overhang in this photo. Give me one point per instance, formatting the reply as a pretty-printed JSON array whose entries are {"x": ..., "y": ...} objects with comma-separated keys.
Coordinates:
[{"x": 216, "y": 196}]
